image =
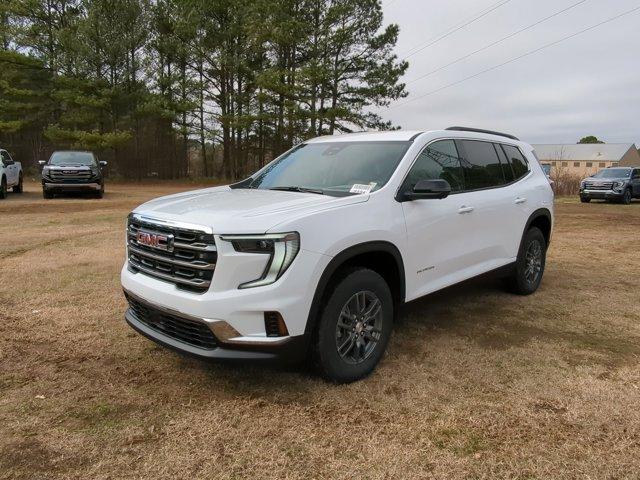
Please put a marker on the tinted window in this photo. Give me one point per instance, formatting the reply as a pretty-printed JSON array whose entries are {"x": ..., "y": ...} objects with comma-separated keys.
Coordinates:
[
  {"x": 481, "y": 166},
  {"x": 439, "y": 160},
  {"x": 518, "y": 163},
  {"x": 5, "y": 157},
  {"x": 506, "y": 168}
]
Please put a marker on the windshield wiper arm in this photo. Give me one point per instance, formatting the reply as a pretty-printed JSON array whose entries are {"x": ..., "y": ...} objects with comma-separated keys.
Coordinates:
[{"x": 299, "y": 189}]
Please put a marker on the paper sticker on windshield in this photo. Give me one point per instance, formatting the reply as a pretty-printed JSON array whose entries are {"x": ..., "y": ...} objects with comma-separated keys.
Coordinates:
[{"x": 360, "y": 188}]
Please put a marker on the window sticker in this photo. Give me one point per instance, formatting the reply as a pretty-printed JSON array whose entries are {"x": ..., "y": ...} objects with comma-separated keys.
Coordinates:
[{"x": 360, "y": 188}]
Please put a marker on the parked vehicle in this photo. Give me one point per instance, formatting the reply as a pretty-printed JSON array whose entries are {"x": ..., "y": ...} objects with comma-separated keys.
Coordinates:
[
  {"x": 612, "y": 184},
  {"x": 72, "y": 171},
  {"x": 315, "y": 253},
  {"x": 10, "y": 174}
]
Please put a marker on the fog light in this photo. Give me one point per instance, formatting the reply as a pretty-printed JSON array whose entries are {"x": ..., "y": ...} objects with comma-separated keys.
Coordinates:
[{"x": 274, "y": 325}]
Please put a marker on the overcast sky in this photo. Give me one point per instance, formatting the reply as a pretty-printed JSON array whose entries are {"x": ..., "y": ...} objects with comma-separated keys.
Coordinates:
[{"x": 586, "y": 85}]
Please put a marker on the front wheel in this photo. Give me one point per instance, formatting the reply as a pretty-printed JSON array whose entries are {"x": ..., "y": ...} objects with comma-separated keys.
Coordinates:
[
  {"x": 46, "y": 194},
  {"x": 626, "y": 197},
  {"x": 3, "y": 188},
  {"x": 18, "y": 187},
  {"x": 530, "y": 263},
  {"x": 354, "y": 326},
  {"x": 585, "y": 199}
]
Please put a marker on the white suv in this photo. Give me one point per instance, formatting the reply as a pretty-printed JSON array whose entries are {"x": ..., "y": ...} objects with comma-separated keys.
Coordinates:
[{"x": 315, "y": 253}]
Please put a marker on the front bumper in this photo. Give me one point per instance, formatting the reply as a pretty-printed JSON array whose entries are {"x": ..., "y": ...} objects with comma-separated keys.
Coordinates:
[
  {"x": 236, "y": 317},
  {"x": 601, "y": 194},
  {"x": 288, "y": 350},
  {"x": 72, "y": 186}
]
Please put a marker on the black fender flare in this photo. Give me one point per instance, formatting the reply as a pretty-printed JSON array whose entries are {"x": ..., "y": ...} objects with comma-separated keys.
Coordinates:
[
  {"x": 339, "y": 260},
  {"x": 540, "y": 212}
]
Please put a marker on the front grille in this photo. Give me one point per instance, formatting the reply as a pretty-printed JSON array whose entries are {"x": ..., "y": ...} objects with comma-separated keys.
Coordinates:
[
  {"x": 188, "y": 263},
  {"x": 184, "y": 330},
  {"x": 598, "y": 185},
  {"x": 70, "y": 176}
]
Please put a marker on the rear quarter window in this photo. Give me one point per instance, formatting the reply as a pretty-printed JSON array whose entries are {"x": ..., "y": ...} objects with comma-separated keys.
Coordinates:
[{"x": 518, "y": 162}]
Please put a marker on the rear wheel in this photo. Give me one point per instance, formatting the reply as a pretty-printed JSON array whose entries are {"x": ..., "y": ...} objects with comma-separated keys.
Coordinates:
[
  {"x": 18, "y": 187},
  {"x": 530, "y": 263},
  {"x": 3, "y": 188},
  {"x": 354, "y": 326},
  {"x": 626, "y": 197}
]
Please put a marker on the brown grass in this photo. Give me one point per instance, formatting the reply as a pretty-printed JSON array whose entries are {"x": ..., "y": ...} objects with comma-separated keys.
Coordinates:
[{"x": 477, "y": 383}]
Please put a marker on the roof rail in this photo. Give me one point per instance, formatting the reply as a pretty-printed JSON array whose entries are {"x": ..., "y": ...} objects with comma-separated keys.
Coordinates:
[{"x": 479, "y": 130}]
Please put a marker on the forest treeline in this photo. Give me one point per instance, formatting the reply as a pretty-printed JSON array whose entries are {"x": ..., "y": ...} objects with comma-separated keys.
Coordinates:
[{"x": 148, "y": 83}]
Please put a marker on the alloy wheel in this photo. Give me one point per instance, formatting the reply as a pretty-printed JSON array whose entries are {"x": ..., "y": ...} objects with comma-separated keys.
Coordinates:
[
  {"x": 533, "y": 262},
  {"x": 359, "y": 327}
]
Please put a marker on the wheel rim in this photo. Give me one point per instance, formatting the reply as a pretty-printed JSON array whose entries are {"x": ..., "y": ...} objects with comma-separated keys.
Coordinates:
[
  {"x": 359, "y": 327},
  {"x": 533, "y": 262}
]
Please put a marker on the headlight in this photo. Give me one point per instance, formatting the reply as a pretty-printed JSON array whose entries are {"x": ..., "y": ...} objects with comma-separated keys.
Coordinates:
[
  {"x": 582, "y": 184},
  {"x": 95, "y": 171},
  {"x": 281, "y": 247},
  {"x": 618, "y": 185}
]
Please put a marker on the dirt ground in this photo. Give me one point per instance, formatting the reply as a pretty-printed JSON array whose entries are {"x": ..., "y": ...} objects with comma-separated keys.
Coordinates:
[{"x": 477, "y": 383}]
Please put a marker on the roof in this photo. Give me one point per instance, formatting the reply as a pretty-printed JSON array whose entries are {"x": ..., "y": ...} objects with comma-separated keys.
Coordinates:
[
  {"x": 406, "y": 135},
  {"x": 391, "y": 135},
  {"x": 602, "y": 152}
]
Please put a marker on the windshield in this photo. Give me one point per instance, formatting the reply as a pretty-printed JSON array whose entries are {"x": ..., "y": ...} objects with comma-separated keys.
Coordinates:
[
  {"x": 614, "y": 173},
  {"x": 336, "y": 168},
  {"x": 72, "y": 159}
]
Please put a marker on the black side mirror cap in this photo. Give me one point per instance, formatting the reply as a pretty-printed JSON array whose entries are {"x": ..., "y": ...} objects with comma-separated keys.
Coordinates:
[{"x": 428, "y": 189}]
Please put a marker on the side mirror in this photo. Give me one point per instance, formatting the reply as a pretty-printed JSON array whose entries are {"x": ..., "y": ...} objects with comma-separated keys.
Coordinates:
[
  {"x": 103, "y": 163},
  {"x": 42, "y": 162},
  {"x": 427, "y": 189}
]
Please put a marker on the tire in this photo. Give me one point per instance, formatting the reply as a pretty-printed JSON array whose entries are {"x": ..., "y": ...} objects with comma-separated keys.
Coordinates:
[
  {"x": 530, "y": 263},
  {"x": 354, "y": 293},
  {"x": 626, "y": 197},
  {"x": 100, "y": 193},
  {"x": 46, "y": 194},
  {"x": 3, "y": 188},
  {"x": 585, "y": 199},
  {"x": 18, "y": 188}
]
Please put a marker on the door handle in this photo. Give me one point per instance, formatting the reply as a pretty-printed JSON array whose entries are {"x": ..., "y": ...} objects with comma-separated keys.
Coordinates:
[
  {"x": 465, "y": 209},
  {"x": 520, "y": 200}
]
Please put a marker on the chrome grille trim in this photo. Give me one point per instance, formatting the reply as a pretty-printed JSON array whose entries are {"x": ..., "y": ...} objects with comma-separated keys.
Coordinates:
[
  {"x": 598, "y": 185},
  {"x": 189, "y": 264}
]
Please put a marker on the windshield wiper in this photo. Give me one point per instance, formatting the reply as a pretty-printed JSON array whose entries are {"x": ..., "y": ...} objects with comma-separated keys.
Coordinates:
[{"x": 299, "y": 189}]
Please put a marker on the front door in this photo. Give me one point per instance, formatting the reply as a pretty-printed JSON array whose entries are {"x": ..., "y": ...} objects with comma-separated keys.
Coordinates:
[
  {"x": 10, "y": 168},
  {"x": 439, "y": 233}
]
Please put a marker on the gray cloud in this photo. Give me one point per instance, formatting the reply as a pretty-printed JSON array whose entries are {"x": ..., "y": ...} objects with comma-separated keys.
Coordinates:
[{"x": 587, "y": 85}]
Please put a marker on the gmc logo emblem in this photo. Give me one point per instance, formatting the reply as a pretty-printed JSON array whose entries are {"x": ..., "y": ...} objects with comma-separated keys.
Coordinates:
[{"x": 155, "y": 240}]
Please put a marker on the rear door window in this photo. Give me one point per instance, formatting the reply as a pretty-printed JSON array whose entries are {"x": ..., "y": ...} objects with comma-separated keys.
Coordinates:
[
  {"x": 439, "y": 160},
  {"x": 504, "y": 163},
  {"x": 481, "y": 165},
  {"x": 518, "y": 163}
]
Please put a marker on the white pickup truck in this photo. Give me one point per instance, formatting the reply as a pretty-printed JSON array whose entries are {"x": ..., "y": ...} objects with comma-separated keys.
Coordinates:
[{"x": 10, "y": 174}]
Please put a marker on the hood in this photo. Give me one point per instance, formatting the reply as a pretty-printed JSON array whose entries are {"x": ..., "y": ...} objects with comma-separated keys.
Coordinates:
[
  {"x": 606, "y": 180},
  {"x": 69, "y": 167},
  {"x": 239, "y": 211}
]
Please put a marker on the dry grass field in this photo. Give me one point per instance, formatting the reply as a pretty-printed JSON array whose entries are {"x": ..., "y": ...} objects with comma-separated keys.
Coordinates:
[{"x": 477, "y": 383}]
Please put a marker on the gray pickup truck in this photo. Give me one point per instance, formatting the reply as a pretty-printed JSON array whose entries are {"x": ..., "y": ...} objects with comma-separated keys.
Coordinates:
[{"x": 620, "y": 184}]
